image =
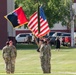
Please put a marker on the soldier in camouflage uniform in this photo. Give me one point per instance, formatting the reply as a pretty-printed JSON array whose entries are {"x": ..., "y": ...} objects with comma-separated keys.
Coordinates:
[
  {"x": 13, "y": 56},
  {"x": 9, "y": 54},
  {"x": 6, "y": 51},
  {"x": 45, "y": 56}
]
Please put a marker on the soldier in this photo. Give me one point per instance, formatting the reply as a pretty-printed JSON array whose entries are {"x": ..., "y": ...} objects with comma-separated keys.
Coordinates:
[
  {"x": 6, "y": 51},
  {"x": 45, "y": 56},
  {"x": 13, "y": 56},
  {"x": 58, "y": 43},
  {"x": 9, "y": 54}
]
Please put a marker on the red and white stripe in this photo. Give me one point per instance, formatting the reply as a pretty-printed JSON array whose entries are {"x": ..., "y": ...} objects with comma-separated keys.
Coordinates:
[{"x": 33, "y": 26}]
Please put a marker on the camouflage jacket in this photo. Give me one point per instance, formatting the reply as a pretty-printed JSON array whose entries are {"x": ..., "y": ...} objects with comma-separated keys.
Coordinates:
[
  {"x": 6, "y": 51},
  {"x": 45, "y": 50},
  {"x": 13, "y": 51}
]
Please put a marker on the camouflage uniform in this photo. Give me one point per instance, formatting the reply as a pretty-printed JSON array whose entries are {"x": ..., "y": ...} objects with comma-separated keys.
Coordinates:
[
  {"x": 9, "y": 55},
  {"x": 13, "y": 57},
  {"x": 45, "y": 56},
  {"x": 6, "y": 55}
]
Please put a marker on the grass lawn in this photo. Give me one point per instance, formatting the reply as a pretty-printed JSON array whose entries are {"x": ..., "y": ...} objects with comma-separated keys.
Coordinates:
[{"x": 63, "y": 62}]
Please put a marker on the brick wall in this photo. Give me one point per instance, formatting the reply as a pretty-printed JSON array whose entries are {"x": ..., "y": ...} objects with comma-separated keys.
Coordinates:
[{"x": 3, "y": 23}]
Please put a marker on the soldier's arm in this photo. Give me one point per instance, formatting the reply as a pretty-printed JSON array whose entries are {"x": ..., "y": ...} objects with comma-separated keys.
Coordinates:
[
  {"x": 15, "y": 50},
  {"x": 16, "y": 53},
  {"x": 3, "y": 51},
  {"x": 36, "y": 42},
  {"x": 49, "y": 51},
  {"x": 41, "y": 47}
]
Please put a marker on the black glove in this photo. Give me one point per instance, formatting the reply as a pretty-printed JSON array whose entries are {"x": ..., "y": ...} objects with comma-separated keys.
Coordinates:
[{"x": 38, "y": 50}]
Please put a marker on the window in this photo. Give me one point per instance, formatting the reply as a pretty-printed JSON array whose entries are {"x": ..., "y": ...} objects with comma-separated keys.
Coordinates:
[
  {"x": 22, "y": 35},
  {"x": 59, "y": 34},
  {"x": 66, "y": 34}
]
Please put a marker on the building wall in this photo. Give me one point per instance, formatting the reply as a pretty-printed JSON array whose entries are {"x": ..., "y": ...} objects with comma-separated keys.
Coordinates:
[
  {"x": 58, "y": 26},
  {"x": 17, "y": 31},
  {"x": 3, "y": 23},
  {"x": 10, "y": 8},
  {"x": 10, "y": 29},
  {"x": 6, "y": 30}
]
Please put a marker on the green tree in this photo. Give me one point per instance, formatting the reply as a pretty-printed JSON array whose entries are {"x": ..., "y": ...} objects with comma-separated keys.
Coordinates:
[{"x": 55, "y": 11}]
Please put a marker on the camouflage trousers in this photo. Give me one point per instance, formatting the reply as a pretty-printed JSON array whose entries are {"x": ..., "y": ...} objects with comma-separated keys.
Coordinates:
[
  {"x": 10, "y": 65},
  {"x": 45, "y": 64}
]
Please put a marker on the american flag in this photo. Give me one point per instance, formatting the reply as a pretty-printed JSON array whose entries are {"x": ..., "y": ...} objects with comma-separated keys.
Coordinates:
[{"x": 33, "y": 24}]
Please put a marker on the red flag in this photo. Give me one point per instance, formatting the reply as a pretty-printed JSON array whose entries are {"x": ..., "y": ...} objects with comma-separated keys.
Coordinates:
[
  {"x": 33, "y": 24},
  {"x": 17, "y": 17}
]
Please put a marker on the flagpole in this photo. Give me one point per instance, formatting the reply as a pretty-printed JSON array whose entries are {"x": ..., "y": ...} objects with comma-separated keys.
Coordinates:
[{"x": 38, "y": 19}]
